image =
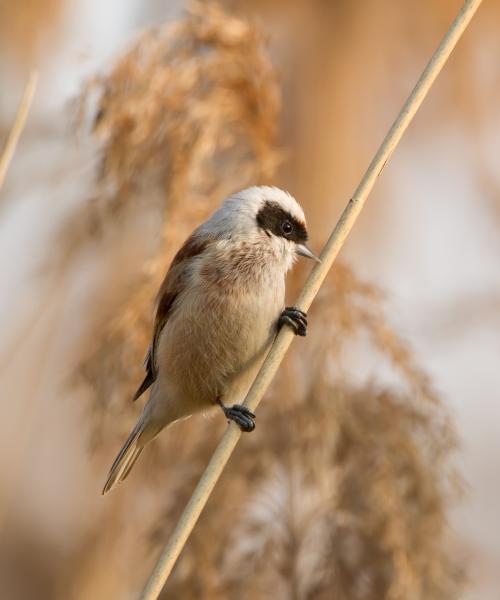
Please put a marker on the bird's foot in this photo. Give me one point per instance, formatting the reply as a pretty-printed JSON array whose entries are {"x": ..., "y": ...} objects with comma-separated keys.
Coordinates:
[
  {"x": 295, "y": 318},
  {"x": 241, "y": 415}
]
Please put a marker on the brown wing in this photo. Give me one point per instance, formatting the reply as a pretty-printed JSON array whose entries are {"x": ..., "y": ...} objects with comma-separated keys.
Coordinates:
[{"x": 171, "y": 287}]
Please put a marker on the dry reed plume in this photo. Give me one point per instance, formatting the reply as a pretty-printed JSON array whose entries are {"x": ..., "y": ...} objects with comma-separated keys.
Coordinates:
[
  {"x": 187, "y": 116},
  {"x": 342, "y": 491},
  {"x": 315, "y": 498}
]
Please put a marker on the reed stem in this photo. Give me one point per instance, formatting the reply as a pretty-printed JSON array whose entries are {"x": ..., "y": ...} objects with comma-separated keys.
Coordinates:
[{"x": 18, "y": 126}]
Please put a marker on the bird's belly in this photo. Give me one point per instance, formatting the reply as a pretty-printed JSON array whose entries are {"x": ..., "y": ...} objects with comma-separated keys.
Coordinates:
[{"x": 213, "y": 346}]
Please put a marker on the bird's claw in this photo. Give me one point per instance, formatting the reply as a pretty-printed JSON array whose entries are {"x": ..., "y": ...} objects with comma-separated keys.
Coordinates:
[
  {"x": 295, "y": 318},
  {"x": 241, "y": 415}
]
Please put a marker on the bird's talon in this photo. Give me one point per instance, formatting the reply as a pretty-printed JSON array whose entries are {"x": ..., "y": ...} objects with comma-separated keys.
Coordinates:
[
  {"x": 241, "y": 415},
  {"x": 295, "y": 318}
]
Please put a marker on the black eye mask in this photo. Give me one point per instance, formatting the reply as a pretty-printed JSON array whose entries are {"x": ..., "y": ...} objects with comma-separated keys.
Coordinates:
[{"x": 274, "y": 219}]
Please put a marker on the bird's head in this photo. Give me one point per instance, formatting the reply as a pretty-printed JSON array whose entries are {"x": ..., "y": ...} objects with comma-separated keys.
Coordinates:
[{"x": 267, "y": 215}]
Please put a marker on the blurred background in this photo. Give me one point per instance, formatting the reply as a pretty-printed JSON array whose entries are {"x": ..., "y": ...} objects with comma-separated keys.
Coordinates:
[{"x": 373, "y": 472}]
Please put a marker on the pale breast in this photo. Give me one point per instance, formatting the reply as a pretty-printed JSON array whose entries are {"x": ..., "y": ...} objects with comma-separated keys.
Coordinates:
[{"x": 222, "y": 326}]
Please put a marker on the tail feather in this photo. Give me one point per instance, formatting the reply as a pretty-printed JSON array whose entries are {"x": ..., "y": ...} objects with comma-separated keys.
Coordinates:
[
  {"x": 131, "y": 463},
  {"x": 125, "y": 459}
]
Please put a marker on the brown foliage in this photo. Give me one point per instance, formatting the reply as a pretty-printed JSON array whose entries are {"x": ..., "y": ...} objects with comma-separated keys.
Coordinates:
[
  {"x": 187, "y": 116},
  {"x": 338, "y": 488},
  {"x": 342, "y": 490}
]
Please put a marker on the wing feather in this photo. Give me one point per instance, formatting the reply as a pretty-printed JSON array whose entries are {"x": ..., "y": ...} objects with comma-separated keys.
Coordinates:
[{"x": 172, "y": 285}]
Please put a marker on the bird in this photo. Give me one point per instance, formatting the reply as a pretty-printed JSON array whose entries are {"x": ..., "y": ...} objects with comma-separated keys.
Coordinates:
[{"x": 218, "y": 310}]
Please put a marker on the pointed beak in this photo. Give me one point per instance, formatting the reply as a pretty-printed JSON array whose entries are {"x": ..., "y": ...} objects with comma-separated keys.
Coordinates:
[{"x": 303, "y": 250}]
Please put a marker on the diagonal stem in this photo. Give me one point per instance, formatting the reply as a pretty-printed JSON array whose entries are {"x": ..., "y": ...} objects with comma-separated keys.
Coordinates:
[
  {"x": 283, "y": 340},
  {"x": 18, "y": 126}
]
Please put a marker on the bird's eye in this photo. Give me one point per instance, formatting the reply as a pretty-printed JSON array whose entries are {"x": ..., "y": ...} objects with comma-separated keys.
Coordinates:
[{"x": 286, "y": 227}]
